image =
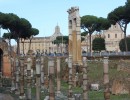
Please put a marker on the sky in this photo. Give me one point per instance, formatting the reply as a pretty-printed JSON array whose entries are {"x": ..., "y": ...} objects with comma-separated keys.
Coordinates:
[{"x": 46, "y": 14}]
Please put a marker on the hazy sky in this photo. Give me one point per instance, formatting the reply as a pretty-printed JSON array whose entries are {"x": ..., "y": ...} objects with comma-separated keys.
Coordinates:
[{"x": 46, "y": 14}]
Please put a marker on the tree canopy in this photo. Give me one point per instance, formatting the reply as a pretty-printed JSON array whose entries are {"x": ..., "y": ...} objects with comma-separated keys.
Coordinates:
[
  {"x": 98, "y": 44},
  {"x": 90, "y": 24},
  {"x": 17, "y": 27},
  {"x": 122, "y": 44},
  {"x": 61, "y": 39},
  {"x": 121, "y": 15}
]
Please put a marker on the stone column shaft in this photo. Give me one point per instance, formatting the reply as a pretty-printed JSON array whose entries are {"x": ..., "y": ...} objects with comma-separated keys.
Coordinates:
[
  {"x": 42, "y": 72},
  {"x": 29, "y": 65},
  {"x": 74, "y": 35},
  {"x": 12, "y": 74},
  {"x": 38, "y": 90},
  {"x": 58, "y": 76},
  {"x": 22, "y": 78},
  {"x": 85, "y": 79},
  {"x": 51, "y": 79},
  {"x": 38, "y": 79},
  {"x": 70, "y": 92},
  {"x": 106, "y": 79},
  {"x": 17, "y": 74}
]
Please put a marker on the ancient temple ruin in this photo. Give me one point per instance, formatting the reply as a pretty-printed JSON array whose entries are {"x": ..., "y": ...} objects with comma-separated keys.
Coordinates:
[{"x": 74, "y": 35}]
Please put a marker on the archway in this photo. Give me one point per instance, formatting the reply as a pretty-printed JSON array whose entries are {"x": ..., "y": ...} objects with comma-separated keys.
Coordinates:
[{"x": 1, "y": 60}]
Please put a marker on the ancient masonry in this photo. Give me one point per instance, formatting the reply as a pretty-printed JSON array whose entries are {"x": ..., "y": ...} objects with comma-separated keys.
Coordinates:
[
  {"x": 74, "y": 35},
  {"x": 5, "y": 66}
]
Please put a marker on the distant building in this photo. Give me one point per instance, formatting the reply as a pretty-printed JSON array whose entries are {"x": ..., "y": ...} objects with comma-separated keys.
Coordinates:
[
  {"x": 44, "y": 44},
  {"x": 112, "y": 38}
]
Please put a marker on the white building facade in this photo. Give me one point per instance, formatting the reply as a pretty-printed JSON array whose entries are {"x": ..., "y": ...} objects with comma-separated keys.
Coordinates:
[{"x": 112, "y": 38}]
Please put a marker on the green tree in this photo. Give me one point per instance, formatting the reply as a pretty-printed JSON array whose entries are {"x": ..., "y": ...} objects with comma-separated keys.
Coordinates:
[
  {"x": 14, "y": 25},
  {"x": 98, "y": 44},
  {"x": 122, "y": 44},
  {"x": 18, "y": 27},
  {"x": 90, "y": 24},
  {"x": 83, "y": 35},
  {"x": 121, "y": 15},
  {"x": 9, "y": 37},
  {"x": 32, "y": 32},
  {"x": 61, "y": 39}
]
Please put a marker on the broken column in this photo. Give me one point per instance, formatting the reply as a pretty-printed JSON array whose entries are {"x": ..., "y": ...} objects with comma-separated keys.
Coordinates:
[
  {"x": 106, "y": 79},
  {"x": 51, "y": 79},
  {"x": 58, "y": 76},
  {"x": 22, "y": 96},
  {"x": 29, "y": 65},
  {"x": 17, "y": 75},
  {"x": 74, "y": 35},
  {"x": 38, "y": 79},
  {"x": 70, "y": 92},
  {"x": 85, "y": 79},
  {"x": 42, "y": 72}
]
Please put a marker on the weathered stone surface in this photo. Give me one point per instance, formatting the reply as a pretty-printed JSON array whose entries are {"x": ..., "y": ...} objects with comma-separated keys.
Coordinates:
[
  {"x": 119, "y": 87},
  {"x": 6, "y": 97},
  {"x": 74, "y": 35}
]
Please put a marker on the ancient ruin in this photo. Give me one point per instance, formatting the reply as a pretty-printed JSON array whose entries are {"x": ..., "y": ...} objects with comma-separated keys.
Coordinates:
[{"x": 74, "y": 35}]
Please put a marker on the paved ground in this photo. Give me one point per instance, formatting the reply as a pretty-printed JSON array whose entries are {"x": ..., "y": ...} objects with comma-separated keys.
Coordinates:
[{"x": 5, "y": 97}]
